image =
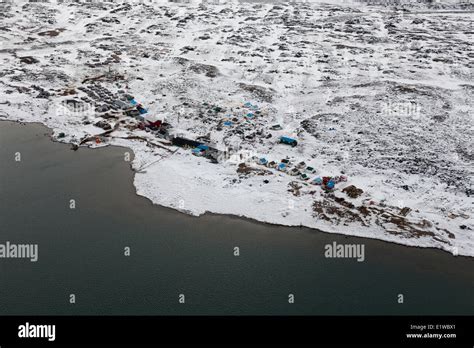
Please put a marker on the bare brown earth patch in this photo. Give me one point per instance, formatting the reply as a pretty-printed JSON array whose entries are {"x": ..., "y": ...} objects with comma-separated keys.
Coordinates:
[{"x": 394, "y": 220}]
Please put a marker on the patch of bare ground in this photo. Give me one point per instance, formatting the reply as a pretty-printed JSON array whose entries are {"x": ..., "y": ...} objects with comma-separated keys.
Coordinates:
[
  {"x": 339, "y": 211},
  {"x": 294, "y": 188},
  {"x": 245, "y": 170}
]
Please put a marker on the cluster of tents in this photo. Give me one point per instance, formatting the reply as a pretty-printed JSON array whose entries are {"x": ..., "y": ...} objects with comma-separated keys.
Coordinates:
[
  {"x": 328, "y": 182},
  {"x": 304, "y": 172}
]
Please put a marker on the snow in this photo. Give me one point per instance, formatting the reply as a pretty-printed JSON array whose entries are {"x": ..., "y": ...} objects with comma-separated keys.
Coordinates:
[{"x": 365, "y": 90}]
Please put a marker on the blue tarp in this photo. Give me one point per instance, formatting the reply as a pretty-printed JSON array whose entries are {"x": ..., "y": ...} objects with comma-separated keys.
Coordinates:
[
  {"x": 263, "y": 161},
  {"x": 203, "y": 147},
  {"x": 227, "y": 123},
  {"x": 133, "y": 102},
  {"x": 281, "y": 166},
  {"x": 197, "y": 151},
  {"x": 288, "y": 140}
]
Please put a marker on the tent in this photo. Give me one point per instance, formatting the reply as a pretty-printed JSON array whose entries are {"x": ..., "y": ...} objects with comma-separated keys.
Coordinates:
[
  {"x": 289, "y": 141},
  {"x": 153, "y": 120}
]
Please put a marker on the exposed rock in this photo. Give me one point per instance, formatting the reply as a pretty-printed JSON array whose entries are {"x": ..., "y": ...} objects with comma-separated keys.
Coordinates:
[
  {"x": 352, "y": 191},
  {"x": 104, "y": 125},
  {"x": 29, "y": 60}
]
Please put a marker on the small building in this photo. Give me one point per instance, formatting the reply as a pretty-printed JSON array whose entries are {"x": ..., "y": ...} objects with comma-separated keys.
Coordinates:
[
  {"x": 276, "y": 127},
  {"x": 132, "y": 113},
  {"x": 140, "y": 118},
  {"x": 152, "y": 121},
  {"x": 102, "y": 108},
  {"x": 288, "y": 141},
  {"x": 310, "y": 170},
  {"x": 295, "y": 172},
  {"x": 272, "y": 164},
  {"x": 154, "y": 124},
  {"x": 198, "y": 152},
  {"x": 301, "y": 165},
  {"x": 330, "y": 185},
  {"x": 203, "y": 147},
  {"x": 340, "y": 178},
  {"x": 120, "y": 105},
  {"x": 282, "y": 167},
  {"x": 183, "y": 142},
  {"x": 304, "y": 176},
  {"x": 141, "y": 109}
]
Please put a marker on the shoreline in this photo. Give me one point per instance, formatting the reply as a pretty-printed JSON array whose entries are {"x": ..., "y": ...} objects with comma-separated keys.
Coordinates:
[
  {"x": 307, "y": 229},
  {"x": 388, "y": 128}
]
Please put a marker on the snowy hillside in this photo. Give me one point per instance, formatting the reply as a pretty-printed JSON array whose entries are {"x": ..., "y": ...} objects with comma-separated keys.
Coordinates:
[{"x": 378, "y": 98}]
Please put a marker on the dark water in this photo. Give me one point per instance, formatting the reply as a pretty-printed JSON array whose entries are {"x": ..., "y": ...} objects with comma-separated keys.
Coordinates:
[{"x": 81, "y": 250}]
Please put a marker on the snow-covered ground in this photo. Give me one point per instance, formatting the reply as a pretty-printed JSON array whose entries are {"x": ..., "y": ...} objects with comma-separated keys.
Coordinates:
[{"x": 382, "y": 95}]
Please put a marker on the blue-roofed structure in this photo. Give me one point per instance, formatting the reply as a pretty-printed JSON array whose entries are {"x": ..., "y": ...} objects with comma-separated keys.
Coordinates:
[
  {"x": 203, "y": 147},
  {"x": 197, "y": 152},
  {"x": 288, "y": 141},
  {"x": 330, "y": 185}
]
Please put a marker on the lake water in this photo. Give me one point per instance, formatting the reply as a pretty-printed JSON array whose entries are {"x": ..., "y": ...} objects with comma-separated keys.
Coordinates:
[{"x": 81, "y": 251}]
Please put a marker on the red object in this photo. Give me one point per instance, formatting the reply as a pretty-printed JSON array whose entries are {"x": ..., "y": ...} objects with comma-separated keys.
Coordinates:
[
  {"x": 326, "y": 179},
  {"x": 155, "y": 124}
]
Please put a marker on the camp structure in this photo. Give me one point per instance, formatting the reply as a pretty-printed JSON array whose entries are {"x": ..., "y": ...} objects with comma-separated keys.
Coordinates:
[
  {"x": 301, "y": 165},
  {"x": 294, "y": 172},
  {"x": 184, "y": 142},
  {"x": 288, "y": 141},
  {"x": 200, "y": 150},
  {"x": 153, "y": 121},
  {"x": 304, "y": 176},
  {"x": 272, "y": 164}
]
